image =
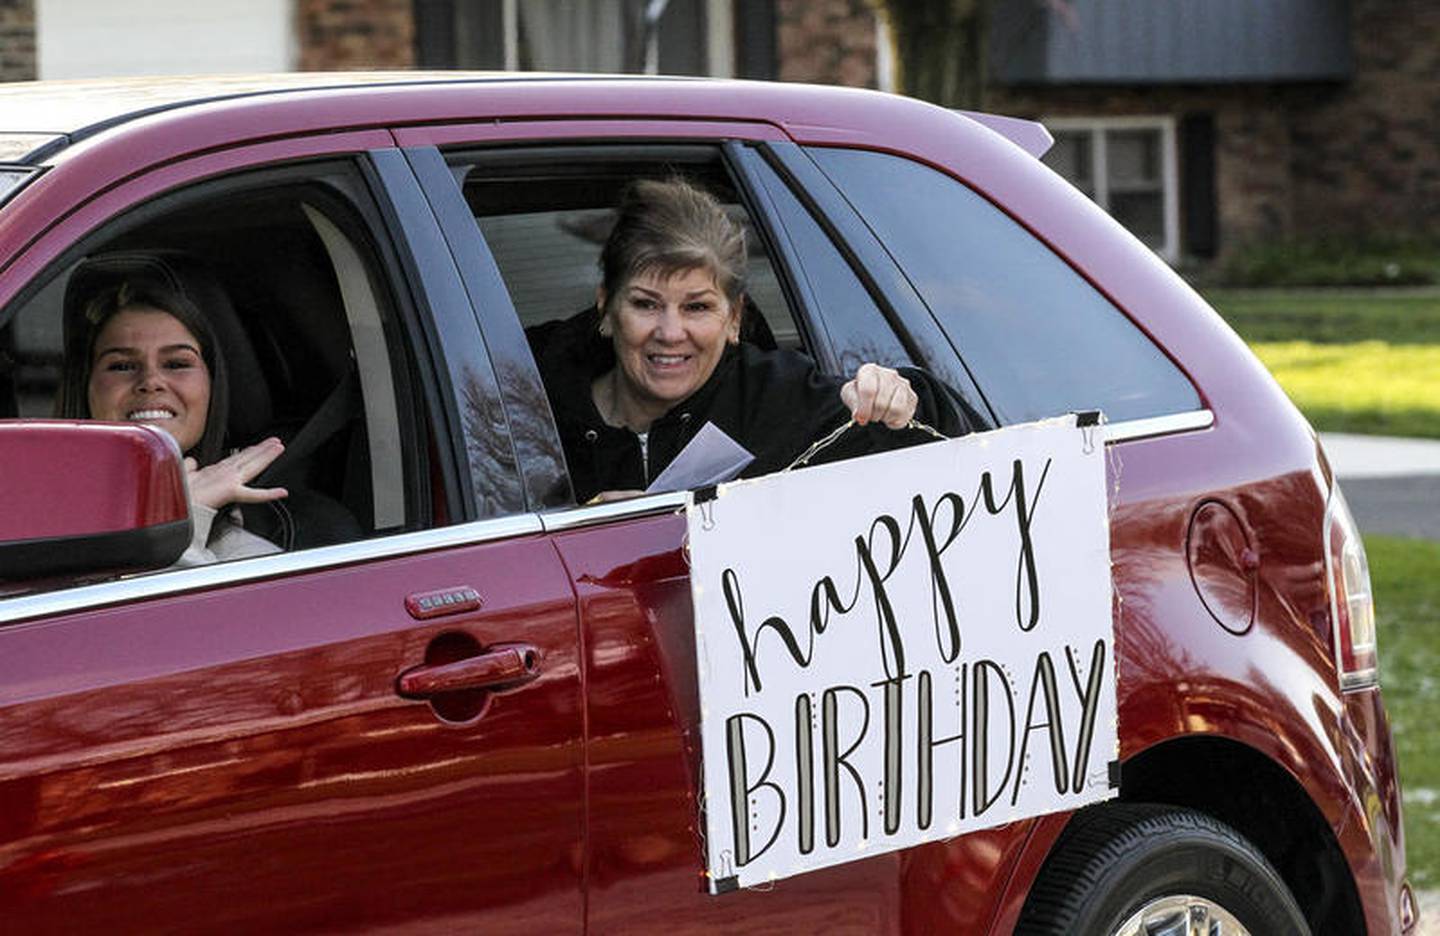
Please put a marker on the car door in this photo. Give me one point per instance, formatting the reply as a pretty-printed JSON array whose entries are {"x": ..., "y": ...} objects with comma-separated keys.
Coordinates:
[
  {"x": 644, "y": 869},
  {"x": 381, "y": 733}
]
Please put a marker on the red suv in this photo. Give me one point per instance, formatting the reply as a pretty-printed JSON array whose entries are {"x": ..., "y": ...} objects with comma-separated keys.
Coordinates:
[{"x": 274, "y": 743}]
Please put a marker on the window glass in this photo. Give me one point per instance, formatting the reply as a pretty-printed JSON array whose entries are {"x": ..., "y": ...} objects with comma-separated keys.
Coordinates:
[
  {"x": 1136, "y": 197},
  {"x": 1122, "y": 166},
  {"x": 855, "y": 326},
  {"x": 292, "y": 285},
  {"x": 546, "y": 221},
  {"x": 1040, "y": 340}
]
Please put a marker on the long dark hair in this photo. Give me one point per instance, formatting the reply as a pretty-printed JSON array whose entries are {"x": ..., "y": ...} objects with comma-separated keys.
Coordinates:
[{"x": 84, "y": 324}]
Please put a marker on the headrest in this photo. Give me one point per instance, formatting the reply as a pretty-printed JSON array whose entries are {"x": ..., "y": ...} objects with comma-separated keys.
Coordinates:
[{"x": 250, "y": 404}]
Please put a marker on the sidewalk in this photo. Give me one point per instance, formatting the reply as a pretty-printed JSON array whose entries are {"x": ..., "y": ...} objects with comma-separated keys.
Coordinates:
[
  {"x": 1367, "y": 456},
  {"x": 1392, "y": 485}
]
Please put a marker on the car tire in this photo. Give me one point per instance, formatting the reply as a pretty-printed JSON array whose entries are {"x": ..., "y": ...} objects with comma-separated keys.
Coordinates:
[{"x": 1128, "y": 869}]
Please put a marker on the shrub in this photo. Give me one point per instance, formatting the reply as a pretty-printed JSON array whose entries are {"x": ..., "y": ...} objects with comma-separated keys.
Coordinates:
[{"x": 1333, "y": 261}]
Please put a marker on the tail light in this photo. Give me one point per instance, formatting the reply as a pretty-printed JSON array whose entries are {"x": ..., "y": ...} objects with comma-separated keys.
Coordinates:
[{"x": 1352, "y": 608}]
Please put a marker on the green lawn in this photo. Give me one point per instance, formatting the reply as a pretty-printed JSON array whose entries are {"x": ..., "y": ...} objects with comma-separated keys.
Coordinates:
[
  {"x": 1332, "y": 316},
  {"x": 1406, "y": 578},
  {"x": 1353, "y": 361}
]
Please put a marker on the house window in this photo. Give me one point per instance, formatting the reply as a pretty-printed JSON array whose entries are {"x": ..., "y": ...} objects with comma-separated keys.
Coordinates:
[
  {"x": 1128, "y": 166},
  {"x": 672, "y": 37}
]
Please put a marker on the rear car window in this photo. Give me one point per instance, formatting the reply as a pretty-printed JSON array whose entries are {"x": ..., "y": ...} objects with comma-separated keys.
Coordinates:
[{"x": 1039, "y": 339}]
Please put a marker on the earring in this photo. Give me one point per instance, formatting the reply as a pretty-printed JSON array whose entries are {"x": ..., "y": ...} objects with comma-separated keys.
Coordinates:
[{"x": 604, "y": 327}]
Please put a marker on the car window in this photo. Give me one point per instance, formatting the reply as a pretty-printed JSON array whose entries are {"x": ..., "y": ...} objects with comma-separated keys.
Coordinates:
[
  {"x": 545, "y": 219},
  {"x": 855, "y": 326},
  {"x": 544, "y": 214},
  {"x": 291, "y": 278},
  {"x": 1040, "y": 340}
]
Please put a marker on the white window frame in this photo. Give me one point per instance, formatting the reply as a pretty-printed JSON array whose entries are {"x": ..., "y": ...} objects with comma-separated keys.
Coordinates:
[{"x": 1098, "y": 127}]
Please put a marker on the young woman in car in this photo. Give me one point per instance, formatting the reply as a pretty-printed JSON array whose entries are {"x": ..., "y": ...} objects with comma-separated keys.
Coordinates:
[
  {"x": 145, "y": 353},
  {"x": 633, "y": 380}
]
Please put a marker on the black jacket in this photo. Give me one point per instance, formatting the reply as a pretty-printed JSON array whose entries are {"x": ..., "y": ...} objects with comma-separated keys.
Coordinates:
[{"x": 774, "y": 403}]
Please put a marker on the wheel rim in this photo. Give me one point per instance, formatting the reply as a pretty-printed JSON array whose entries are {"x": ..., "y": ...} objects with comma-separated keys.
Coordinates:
[{"x": 1182, "y": 915}]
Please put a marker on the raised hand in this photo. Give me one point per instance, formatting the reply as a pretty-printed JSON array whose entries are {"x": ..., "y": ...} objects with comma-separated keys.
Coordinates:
[
  {"x": 227, "y": 481},
  {"x": 880, "y": 394}
]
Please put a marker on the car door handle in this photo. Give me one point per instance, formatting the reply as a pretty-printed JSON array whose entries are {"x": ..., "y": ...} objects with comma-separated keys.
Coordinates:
[{"x": 503, "y": 666}]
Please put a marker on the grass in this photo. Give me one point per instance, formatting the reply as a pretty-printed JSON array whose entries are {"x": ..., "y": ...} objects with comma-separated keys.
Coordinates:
[
  {"x": 1353, "y": 361},
  {"x": 1406, "y": 577},
  {"x": 1351, "y": 261},
  {"x": 1394, "y": 316},
  {"x": 1369, "y": 386}
]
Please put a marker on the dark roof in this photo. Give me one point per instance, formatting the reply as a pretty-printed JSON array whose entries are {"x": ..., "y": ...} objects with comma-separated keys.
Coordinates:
[{"x": 1170, "y": 41}]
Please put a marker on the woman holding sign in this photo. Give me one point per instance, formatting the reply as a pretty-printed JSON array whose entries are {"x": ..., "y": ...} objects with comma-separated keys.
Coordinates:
[{"x": 634, "y": 380}]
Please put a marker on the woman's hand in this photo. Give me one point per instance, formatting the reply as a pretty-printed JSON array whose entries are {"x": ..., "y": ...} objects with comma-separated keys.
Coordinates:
[
  {"x": 226, "y": 481},
  {"x": 880, "y": 394}
]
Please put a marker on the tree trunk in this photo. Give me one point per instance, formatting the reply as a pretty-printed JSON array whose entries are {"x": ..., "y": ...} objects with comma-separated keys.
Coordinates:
[{"x": 940, "y": 49}]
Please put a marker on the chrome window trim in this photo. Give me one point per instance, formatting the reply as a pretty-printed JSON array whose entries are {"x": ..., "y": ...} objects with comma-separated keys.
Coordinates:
[
  {"x": 585, "y": 516},
  {"x": 180, "y": 581},
  {"x": 1132, "y": 429}
]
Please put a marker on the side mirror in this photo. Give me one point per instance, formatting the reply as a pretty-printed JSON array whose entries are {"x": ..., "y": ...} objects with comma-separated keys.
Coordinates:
[{"x": 87, "y": 496}]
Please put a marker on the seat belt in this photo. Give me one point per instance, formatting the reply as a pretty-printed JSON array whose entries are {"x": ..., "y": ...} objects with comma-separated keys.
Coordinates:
[{"x": 332, "y": 416}]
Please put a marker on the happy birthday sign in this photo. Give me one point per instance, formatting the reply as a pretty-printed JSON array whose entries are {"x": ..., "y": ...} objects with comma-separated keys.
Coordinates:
[{"x": 902, "y": 648}]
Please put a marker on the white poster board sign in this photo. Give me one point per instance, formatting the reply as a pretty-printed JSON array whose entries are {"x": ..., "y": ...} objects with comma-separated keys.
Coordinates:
[{"x": 902, "y": 648}]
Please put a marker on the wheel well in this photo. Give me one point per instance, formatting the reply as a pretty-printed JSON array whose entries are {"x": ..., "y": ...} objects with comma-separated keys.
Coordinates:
[{"x": 1273, "y": 811}]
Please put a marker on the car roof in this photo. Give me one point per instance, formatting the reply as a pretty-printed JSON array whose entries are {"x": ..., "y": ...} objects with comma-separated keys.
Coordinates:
[
  {"x": 39, "y": 119},
  {"x": 71, "y": 110}
]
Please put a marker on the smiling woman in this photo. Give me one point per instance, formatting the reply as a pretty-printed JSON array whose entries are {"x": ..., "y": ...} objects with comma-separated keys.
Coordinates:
[
  {"x": 634, "y": 380},
  {"x": 143, "y": 352}
]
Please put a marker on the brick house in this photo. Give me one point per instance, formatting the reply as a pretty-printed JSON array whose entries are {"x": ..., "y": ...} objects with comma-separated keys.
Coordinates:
[
  {"x": 1204, "y": 126},
  {"x": 1248, "y": 120}
]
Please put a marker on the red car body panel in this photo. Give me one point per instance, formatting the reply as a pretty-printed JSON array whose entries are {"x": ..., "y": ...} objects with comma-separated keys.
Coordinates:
[
  {"x": 166, "y": 780},
  {"x": 573, "y": 800},
  {"x": 28, "y": 513}
]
